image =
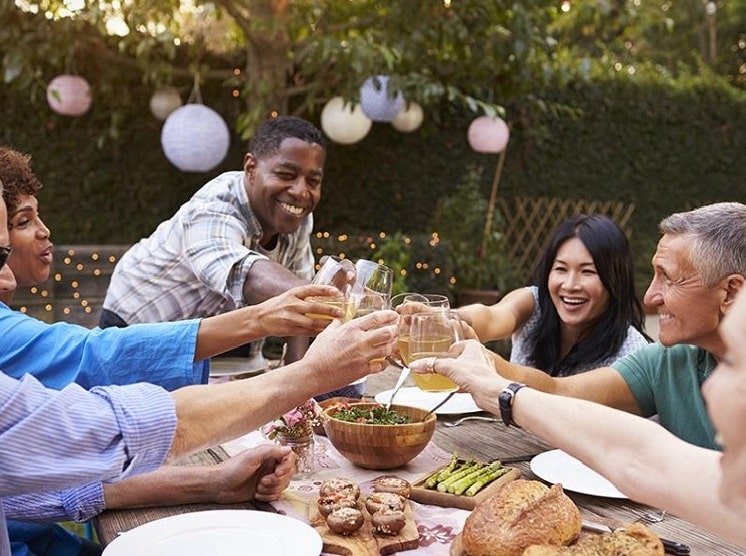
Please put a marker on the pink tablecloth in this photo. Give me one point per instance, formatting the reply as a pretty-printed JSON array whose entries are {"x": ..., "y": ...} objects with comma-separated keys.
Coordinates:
[{"x": 437, "y": 526}]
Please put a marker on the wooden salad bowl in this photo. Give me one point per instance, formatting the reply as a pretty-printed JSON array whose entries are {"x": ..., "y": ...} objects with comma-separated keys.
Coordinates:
[{"x": 380, "y": 446}]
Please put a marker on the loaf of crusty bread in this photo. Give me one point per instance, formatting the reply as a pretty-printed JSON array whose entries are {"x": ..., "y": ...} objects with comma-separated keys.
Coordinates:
[
  {"x": 633, "y": 540},
  {"x": 520, "y": 514}
]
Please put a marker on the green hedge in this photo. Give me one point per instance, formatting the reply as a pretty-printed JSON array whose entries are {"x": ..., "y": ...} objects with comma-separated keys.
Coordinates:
[{"x": 664, "y": 145}]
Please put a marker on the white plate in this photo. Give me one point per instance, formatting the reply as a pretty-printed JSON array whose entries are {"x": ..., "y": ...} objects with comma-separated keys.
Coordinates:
[
  {"x": 230, "y": 366},
  {"x": 414, "y": 397},
  {"x": 224, "y": 532},
  {"x": 556, "y": 466}
]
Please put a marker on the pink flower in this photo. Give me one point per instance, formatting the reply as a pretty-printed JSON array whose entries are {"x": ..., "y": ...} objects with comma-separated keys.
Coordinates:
[{"x": 293, "y": 418}]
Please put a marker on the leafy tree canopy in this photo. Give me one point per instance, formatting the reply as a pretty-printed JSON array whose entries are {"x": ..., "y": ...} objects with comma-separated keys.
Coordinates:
[{"x": 291, "y": 56}]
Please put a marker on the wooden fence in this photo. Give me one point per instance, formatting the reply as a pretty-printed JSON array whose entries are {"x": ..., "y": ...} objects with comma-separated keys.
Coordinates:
[{"x": 528, "y": 221}]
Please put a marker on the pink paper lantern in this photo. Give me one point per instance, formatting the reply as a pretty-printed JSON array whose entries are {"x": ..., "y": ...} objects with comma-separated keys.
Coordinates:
[
  {"x": 488, "y": 135},
  {"x": 69, "y": 95}
]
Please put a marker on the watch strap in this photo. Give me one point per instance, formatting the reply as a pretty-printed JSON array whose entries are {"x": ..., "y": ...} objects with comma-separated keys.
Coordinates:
[{"x": 505, "y": 402}]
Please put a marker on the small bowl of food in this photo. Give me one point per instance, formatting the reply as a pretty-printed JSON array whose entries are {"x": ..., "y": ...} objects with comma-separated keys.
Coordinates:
[{"x": 373, "y": 437}]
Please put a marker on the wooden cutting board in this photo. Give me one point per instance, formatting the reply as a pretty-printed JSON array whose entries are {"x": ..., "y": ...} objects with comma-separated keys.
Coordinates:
[
  {"x": 437, "y": 498},
  {"x": 364, "y": 542}
]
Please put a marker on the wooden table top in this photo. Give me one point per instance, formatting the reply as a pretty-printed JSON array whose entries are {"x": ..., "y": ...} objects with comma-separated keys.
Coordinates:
[{"x": 486, "y": 440}]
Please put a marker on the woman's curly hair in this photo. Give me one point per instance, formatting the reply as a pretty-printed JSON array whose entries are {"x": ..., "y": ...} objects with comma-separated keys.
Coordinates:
[{"x": 17, "y": 177}]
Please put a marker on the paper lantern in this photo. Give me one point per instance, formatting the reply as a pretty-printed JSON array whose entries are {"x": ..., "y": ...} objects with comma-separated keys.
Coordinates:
[
  {"x": 69, "y": 95},
  {"x": 344, "y": 122},
  {"x": 195, "y": 138},
  {"x": 164, "y": 101},
  {"x": 376, "y": 102},
  {"x": 409, "y": 119},
  {"x": 488, "y": 135}
]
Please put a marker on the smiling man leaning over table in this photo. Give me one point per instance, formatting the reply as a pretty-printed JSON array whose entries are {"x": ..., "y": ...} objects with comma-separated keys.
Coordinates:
[
  {"x": 699, "y": 267},
  {"x": 241, "y": 239}
]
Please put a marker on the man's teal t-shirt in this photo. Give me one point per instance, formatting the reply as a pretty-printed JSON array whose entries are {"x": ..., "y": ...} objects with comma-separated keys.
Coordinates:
[{"x": 668, "y": 381}]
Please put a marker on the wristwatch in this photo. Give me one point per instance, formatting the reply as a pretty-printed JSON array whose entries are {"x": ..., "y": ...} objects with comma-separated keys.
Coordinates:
[{"x": 505, "y": 401}]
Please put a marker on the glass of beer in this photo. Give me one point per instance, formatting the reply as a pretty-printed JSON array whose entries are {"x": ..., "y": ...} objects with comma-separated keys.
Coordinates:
[{"x": 431, "y": 334}]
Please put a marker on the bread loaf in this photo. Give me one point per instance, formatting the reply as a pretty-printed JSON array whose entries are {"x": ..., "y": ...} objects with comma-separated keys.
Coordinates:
[
  {"x": 521, "y": 514},
  {"x": 633, "y": 540}
]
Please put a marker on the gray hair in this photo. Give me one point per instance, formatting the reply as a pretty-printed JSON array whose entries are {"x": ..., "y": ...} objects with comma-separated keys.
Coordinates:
[{"x": 719, "y": 238}]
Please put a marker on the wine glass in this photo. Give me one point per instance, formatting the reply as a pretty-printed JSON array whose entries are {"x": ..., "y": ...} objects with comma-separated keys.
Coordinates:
[
  {"x": 372, "y": 288},
  {"x": 408, "y": 304},
  {"x": 431, "y": 334},
  {"x": 341, "y": 274}
]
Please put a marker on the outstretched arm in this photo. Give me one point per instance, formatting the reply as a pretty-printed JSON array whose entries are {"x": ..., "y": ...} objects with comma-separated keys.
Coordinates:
[
  {"x": 343, "y": 353},
  {"x": 500, "y": 320},
  {"x": 282, "y": 315},
  {"x": 605, "y": 385},
  {"x": 641, "y": 458}
]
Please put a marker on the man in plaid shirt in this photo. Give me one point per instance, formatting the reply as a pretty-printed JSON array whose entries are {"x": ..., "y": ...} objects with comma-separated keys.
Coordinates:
[{"x": 241, "y": 239}]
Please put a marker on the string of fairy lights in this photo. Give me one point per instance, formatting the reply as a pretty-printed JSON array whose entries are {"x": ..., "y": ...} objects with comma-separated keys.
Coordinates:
[{"x": 71, "y": 289}]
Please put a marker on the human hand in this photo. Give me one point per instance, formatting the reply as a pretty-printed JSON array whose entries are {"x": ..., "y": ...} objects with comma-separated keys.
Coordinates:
[
  {"x": 471, "y": 369},
  {"x": 260, "y": 473},
  {"x": 287, "y": 314},
  {"x": 346, "y": 352}
]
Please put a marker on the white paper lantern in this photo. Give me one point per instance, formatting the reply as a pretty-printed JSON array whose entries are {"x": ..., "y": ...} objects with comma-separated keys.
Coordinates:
[
  {"x": 409, "y": 119},
  {"x": 69, "y": 95},
  {"x": 376, "y": 102},
  {"x": 195, "y": 138},
  {"x": 488, "y": 135},
  {"x": 344, "y": 122},
  {"x": 164, "y": 101}
]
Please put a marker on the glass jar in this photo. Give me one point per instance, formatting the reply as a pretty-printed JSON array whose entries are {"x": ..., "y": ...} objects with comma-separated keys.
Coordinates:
[{"x": 303, "y": 446}]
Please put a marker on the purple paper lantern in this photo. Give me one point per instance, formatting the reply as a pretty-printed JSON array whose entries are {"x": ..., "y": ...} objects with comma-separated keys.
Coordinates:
[
  {"x": 69, "y": 95},
  {"x": 488, "y": 135},
  {"x": 376, "y": 102},
  {"x": 195, "y": 138}
]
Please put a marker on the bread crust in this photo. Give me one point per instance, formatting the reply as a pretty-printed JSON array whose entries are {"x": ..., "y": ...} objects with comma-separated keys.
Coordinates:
[
  {"x": 521, "y": 514},
  {"x": 633, "y": 540}
]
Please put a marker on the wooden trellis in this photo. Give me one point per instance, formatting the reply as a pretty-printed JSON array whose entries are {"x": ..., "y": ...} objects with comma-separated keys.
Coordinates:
[{"x": 529, "y": 220}]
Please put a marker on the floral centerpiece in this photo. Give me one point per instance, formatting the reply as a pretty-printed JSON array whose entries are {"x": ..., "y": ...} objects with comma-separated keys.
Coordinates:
[{"x": 295, "y": 429}]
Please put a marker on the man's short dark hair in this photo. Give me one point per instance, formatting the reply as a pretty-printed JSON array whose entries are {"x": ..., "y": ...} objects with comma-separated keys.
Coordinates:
[{"x": 266, "y": 141}]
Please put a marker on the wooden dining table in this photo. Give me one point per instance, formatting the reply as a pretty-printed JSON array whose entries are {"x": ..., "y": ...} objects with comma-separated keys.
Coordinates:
[{"x": 485, "y": 440}]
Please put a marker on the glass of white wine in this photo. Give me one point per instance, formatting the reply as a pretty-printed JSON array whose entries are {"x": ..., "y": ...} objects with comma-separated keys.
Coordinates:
[
  {"x": 372, "y": 288},
  {"x": 431, "y": 334},
  {"x": 341, "y": 274},
  {"x": 408, "y": 304}
]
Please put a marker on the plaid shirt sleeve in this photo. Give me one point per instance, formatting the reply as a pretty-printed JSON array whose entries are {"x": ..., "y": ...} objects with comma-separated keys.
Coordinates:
[{"x": 216, "y": 251}]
